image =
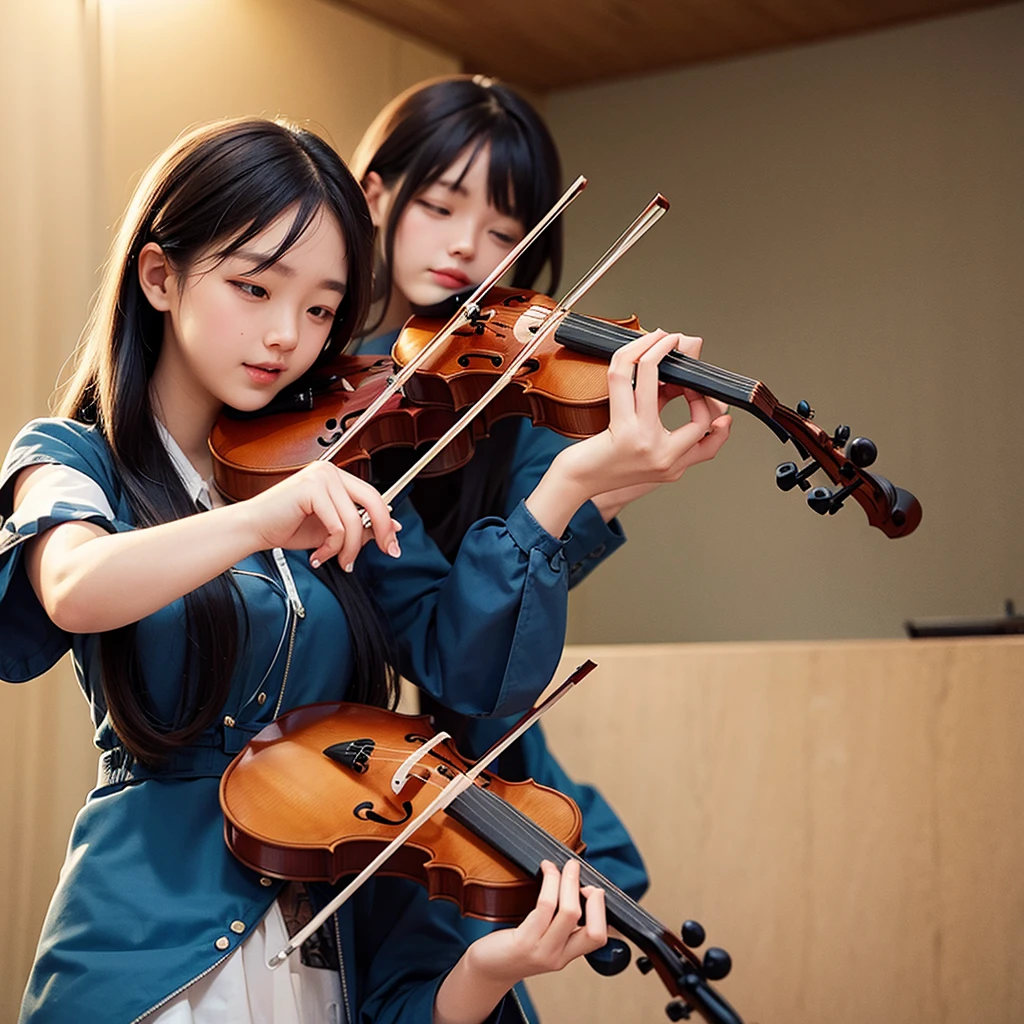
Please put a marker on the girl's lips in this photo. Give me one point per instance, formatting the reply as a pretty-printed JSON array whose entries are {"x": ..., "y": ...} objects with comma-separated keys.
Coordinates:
[
  {"x": 260, "y": 375},
  {"x": 447, "y": 279}
]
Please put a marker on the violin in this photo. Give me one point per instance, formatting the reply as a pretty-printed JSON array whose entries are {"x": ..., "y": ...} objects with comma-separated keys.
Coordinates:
[
  {"x": 563, "y": 386},
  {"x": 313, "y": 797}
]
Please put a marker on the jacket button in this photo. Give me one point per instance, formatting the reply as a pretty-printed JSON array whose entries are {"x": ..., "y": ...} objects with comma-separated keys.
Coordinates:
[
  {"x": 229, "y": 721},
  {"x": 238, "y": 927},
  {"x": 223, "y": 942},
  {"x": 598, "y": 551},
  {"x": 266, "y": 882},
  {"x": 261, "y": 699}
]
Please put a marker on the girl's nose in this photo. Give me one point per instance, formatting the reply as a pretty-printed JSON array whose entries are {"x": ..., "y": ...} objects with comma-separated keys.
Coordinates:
[
  {"x": 462, "y": 243},
  {"x": 282, "y": 333}
]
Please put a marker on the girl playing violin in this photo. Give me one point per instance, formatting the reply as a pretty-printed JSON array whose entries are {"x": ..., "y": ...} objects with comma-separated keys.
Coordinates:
[
  {"x": 456, "y": 170},
  {"x": 243, "y": 258}
]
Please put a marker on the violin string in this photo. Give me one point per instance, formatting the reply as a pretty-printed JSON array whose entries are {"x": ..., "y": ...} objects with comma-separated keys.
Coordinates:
[
  {"x": 616, "y": 333},
  {"x": 513, "y": 824},
  {"x": 508, "y": 821},
  {"x": 619, "y": 335}
]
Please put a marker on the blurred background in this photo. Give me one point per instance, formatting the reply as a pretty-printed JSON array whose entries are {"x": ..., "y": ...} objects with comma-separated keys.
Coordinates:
[{"x": 846, "y": 226}]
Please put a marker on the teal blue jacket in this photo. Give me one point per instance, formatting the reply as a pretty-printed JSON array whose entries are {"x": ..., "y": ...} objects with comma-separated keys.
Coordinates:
[{"x": 149, "y": 898}]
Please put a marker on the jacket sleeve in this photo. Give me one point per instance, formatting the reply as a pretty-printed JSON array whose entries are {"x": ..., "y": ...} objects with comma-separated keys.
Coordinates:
[
  {"x": 414, "y": 944},
  {"x": 29, "y": 641},
  {"x": 482, "y": 635},
  {"x": 590, "y": 539}
]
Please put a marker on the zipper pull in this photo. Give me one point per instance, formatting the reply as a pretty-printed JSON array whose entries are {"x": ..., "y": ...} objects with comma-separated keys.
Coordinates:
[{"x": 289, "y": 583}]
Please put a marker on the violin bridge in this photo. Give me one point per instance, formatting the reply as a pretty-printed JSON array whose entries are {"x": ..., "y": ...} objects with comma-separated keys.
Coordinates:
[{"x": 401, "y": 775}]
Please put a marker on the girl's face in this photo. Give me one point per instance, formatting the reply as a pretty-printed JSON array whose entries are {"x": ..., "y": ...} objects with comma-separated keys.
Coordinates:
[
  {"x": 236, "y": 337},
  {"x": 448, "y": 236}
]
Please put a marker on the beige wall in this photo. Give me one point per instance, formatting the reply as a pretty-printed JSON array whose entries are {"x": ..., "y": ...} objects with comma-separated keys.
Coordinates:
[
  {"x": 847, "y": 227},
  {"x": 169, "y": 63},
  {"x": 92, "y": 92}
]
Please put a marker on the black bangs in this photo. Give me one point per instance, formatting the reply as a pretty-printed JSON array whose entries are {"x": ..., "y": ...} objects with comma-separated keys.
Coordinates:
[
  {"x": 240, "y": 193},
  {"x": 308, "y": 206}
]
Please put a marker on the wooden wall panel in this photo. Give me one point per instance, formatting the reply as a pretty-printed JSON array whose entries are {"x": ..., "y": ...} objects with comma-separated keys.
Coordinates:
[{"x": 844, "y": 818}]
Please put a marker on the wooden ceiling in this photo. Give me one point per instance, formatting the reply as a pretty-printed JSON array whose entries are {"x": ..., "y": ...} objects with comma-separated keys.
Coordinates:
[{"x": 556, "y": 44}]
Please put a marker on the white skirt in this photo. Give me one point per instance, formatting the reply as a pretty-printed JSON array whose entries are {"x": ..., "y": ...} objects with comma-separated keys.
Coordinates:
[{"x": 244, "y": 990}]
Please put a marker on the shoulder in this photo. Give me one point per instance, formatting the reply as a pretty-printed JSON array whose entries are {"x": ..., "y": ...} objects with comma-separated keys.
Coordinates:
[{"x": 65, "y": 442}]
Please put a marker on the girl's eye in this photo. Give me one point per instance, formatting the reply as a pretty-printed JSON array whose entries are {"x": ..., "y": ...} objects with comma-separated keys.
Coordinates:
[
  {"x": 321, "y": 313},
  {"x": 441, "y": 211},
  {"x": 255, "y": 290},
  {"x": 503, "y": 237}
]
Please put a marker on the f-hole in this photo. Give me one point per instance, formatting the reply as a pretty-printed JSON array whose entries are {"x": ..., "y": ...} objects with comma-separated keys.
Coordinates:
[
  {"x": 530, "y": 366},
  {"x": 365, "y": 812},
  {"x": 331, "y": 424}
]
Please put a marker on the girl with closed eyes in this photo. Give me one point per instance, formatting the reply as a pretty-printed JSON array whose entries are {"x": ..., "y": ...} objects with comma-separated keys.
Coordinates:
[{"x": 455, "y": 171}]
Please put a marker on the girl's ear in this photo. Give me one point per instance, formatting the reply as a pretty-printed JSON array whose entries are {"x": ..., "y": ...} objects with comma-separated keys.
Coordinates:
[
  {"x": 377, "y": 198},
  {"x": 156, "y": 278}
]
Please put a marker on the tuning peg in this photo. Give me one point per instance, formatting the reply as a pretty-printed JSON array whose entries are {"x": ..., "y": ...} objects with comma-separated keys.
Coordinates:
[
  {"x": 841, "y": 436},
  {"x": 612, "y": 958},
  {"x": 787, "y": 476},
  {"x": 820, "y": 499},
  {"x": 644, "y": 965},
  {"x": 803, "y": 408},
  {"x": 678, "y": 1010},
  {"x": 717, "y": 963},
  {"x": 824, "y": 501},
  {"x": 862, "y": 452},
  {"x": 693, "y": 934}
]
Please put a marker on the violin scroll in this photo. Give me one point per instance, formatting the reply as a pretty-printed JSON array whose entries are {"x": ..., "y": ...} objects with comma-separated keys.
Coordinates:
[{"x": 893, "y": 510}]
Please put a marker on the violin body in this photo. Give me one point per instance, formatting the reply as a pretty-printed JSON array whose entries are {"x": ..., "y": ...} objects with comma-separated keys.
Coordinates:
[
  {"x": 557, "y": 387},
  {"x": 292, "y": 811},
  {"x": 252, "y": 454}
]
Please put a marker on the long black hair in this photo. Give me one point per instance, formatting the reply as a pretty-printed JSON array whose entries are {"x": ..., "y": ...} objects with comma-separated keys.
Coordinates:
[
  {"x": 421, "y": 132},
  {"x": 213, "y": 190}
]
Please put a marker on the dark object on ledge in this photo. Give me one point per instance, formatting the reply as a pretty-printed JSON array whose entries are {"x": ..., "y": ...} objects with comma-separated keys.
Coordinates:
[{"x": 1007, "y": 625}]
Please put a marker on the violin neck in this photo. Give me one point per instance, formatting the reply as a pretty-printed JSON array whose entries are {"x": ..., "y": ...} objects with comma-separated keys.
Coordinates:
[
  {"x": 522, "y": 841},
  {"x": 602, "y": 339}
]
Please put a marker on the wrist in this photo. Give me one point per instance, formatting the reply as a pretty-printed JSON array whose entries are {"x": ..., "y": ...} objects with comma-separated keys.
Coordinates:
[
  {"x": 558, "y": 495},
  {"x": 470, "y": 992},
  {"x": 241, "y": 522},
  {"x": 485, "y": 973},
  {"x": 573, "y": 476},
  {"x": 608, "y": 505}
]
